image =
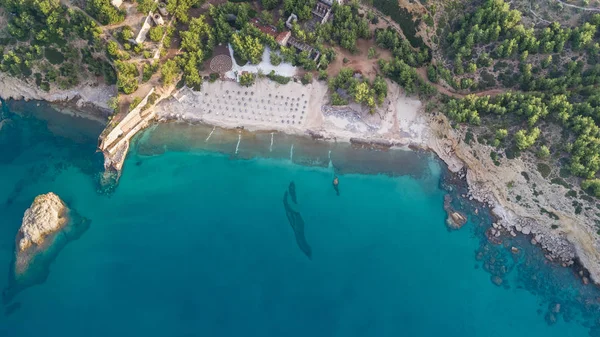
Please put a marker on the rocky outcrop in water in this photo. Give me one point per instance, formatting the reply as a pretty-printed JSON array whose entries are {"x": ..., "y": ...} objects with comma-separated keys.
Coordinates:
[
  {"x": 295, "y": 219},
  {"x": 455, "y": 219},
  {"x": 48, "y": 225}
]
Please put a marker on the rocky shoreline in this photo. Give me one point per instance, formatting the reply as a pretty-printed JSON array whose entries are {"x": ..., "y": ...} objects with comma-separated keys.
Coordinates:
[
  {"x": 88, "y": 100},
  {"x": 565, "y": 239}
]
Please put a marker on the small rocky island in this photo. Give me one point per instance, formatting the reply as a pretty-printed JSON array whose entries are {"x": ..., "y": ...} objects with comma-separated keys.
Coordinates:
[{"x": 48, "y": 225}]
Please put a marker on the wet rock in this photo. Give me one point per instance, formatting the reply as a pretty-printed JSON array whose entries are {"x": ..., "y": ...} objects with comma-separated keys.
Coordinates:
[
  {"x": 514, "y": 250},
  {"x": 550, "y": 318},
  {"x": 455, "y": 219},
  {"x": 497, "y": 280}
]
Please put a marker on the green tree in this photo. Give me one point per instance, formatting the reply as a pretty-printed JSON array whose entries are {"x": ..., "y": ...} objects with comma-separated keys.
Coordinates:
[
  {"x": 275, "y": 58},
  {"x": 127, "y": 77},
  {"x": 168, "y": 72},
  {"x": 543, "y": 152},
  {"x": 156, "y": 33},
  {"x": 270, "y": 4},
  {"x": 371, "y": 53}
]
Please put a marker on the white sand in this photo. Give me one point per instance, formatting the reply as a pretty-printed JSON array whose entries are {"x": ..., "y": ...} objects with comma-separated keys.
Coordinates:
[
  {"x": 295, "y": 108},
  {"x": 265, "y": 66}
]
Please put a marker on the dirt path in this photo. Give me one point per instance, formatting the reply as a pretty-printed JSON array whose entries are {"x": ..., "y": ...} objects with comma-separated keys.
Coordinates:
[
  {"x": 104, "y": 32},
  {"x": 592, "y": 9},
  {"x": 422, "y": 72}
]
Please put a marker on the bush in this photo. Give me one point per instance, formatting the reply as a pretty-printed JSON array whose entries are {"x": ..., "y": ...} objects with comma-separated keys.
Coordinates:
[
  {"x": 592, "y": 186},
  {"x": 247, "y": 79},
  {"x": 278, "y": 78},
  {"x": 136, "y": 101},
  {"x": 544, "y": 170},
  {"x": 156, "y": 33},
  {"x": 275, "y": 58},
  {"x": 307, "y": 78},
  {"x": 323, "y": 75}
]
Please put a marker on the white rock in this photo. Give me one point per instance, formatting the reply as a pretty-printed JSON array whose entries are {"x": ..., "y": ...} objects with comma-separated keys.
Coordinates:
[
  {"x": 46, "y": 215},
  {"x": 526, "y": 230}
]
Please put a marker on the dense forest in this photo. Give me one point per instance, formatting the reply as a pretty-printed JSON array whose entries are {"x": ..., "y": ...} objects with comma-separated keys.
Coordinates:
[
  {"x": 39, "y": 44},
  {"x": 555, "y": 69}
]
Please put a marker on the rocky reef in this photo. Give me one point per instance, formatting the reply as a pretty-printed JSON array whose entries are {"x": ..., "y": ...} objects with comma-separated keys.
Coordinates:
[{"x": 48, "y": 225}]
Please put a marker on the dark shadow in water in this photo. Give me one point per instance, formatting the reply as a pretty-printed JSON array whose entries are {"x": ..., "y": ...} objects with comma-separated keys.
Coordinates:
[
  {"x": 39, "y": 265},
  {"x": 296, "y": 220},
  {"x": 12, "y": 308}
]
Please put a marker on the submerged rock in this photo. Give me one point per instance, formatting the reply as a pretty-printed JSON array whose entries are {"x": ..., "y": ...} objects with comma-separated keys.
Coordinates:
[
  {"x": 48, "y": 225},
  {"x": 455, "y": 219}
]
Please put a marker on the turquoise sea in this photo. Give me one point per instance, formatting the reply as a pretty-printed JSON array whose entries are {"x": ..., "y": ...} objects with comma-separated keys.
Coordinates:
[{"x": 196, "y": 241}]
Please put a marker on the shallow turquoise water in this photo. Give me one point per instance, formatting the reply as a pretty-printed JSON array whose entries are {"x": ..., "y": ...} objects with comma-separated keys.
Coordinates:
[{"x": 197, "y": 243}]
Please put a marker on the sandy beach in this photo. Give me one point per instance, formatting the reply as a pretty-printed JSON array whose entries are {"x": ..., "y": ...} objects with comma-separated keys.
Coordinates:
[{"x": 297, "y": 109}]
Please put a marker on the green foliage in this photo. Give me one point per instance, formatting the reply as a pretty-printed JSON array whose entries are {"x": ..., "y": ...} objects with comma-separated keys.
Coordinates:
[
  {"x": 247, "y": 79},
  {"x": 127, "y": 77},
  {"x": 302, "y": 8},
  {"x": 307, "y": 78},
  {"x": 54, "y": 56},
  {"x": 278, "y": 78},
  {"x": 270, "y": 4},
  {"x": 156, "y": 33},
  {"x": 361, "y": 91},
  {"x": 145, "y": 6},
  {"x": 197, "y": 43},
  {"x": 136, "y": 101},
  {"x": 432, "y": 74},
  {"x": 345, "y": 28},
  {"x": 543, "y": 152},
  {"x": 113, "y": 104},
  {"x": 275, "y": 58},
  {"x": 401, "y": 49},
  {"x": 248, "y": 48},
  {"x": 403, "y": 18},
  {"x": 105, "y": 12},
  {"x": 501, "y": 134},
  {"x": 592, "y": 186},
  {"x": 372, "y": 53},
  {"x": 525, "y": 139},
  {"x": 180, "y": 8},
  {"x": 544, "y": 170},
  {"x": 148, "y": 70},
  {"x": 402, "y": 73},
  {"x": 126, "y": 33},
  {"x": 336, "y": 99},
  {"x": 168, "y": 72},
  {"x": 323, "y": 75}
]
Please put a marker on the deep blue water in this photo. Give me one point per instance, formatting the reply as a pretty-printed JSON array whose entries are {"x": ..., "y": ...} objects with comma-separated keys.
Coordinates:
[{"x": 195, "y": 242}]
